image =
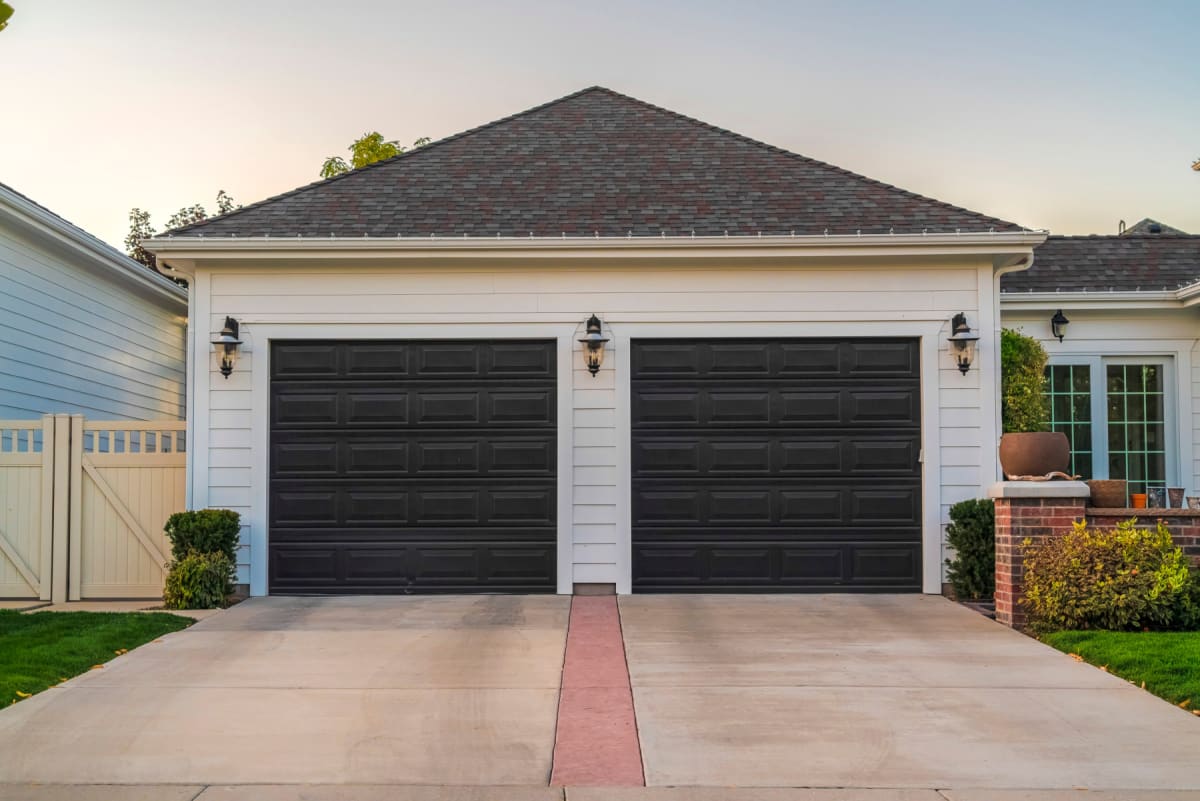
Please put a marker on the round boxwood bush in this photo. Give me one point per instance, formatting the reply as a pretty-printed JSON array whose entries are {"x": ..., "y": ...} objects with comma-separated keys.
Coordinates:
[
  {"x": 1124, "y": 578},
  {"x": 204, "y": 531}
]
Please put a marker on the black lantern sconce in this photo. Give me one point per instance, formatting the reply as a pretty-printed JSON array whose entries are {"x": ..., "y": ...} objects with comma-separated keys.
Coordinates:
[
  {"x": 593, "y": 345},
  {"x": 226, "y": 343},
  {"x": 962, "y": 341},
  {"x": 1058, "y": 325}
]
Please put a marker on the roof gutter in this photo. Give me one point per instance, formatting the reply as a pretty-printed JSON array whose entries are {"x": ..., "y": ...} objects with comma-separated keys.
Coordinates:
[
  {"x": 1158, "y": 299},
  {"x": 360, "y": 248},
  {"x": 53, "y": 227}
]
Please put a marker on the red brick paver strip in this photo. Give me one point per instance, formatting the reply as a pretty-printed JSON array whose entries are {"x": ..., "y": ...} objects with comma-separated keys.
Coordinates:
[{"x": 596, "y": 743}]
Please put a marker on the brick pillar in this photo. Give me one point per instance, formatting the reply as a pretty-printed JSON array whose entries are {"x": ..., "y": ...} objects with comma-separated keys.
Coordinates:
[{"x": 1028, "y": 510}]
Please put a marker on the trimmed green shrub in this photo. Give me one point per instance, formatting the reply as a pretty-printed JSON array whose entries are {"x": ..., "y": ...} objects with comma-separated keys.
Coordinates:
[
  {"x": 1122, "y": 579},
  {"x": 199, "y": 581},
  {"x": 204, "y": 531},
  {"x": 1024, "y": 404},
  {"x": 972, "y": 535}
]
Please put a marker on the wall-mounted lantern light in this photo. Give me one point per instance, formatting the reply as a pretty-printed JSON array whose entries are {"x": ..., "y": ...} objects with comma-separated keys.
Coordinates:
[
  {"x": 962, "y": 341},
  {"x": 1058, "y": 325},
  {"x": 593, "y": 345},
  {"x": 226, "y": 343}
]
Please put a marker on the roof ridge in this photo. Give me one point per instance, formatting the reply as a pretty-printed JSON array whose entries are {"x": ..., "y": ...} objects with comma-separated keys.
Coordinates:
[
  {"x": 391, "y": 159},
  {"x": 793, "y": 154}
]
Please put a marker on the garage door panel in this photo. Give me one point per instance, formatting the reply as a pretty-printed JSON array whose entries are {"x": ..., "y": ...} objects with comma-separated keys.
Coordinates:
[
  {"x": 304, "y": 408},
  {"x": 413, "y": 466},
  {"x": 877, "y": 358},
  {"x": 723, "y": 454},
  {"x": 758, "y": 567},
  {"x": 369, "y": 504},
  {"x": 873, "y": 407},
  {"x": 327, "y": 454},
  {"x": 702, "y": 506},
  {"x": 522, "y": 360},
  {"x": 775, "y": 465},
  {"x": 786, "y": 407},
  {"x": 305, "y": 361}
]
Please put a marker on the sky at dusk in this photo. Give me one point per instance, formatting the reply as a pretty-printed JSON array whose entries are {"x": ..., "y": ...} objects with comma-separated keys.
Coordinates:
[{"x": 1061, "y": 115}]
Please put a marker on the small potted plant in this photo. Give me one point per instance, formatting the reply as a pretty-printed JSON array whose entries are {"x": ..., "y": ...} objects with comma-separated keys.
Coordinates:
[{"x": 1027, "y": 449}]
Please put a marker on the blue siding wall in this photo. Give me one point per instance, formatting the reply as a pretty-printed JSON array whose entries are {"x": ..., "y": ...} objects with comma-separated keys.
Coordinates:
[{"x": 74, "y": 340}]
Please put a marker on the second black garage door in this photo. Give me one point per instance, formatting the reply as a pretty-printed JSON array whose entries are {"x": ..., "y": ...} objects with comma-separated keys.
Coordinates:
[
  {"x": 776, "y": 465},
  {"x": 412, "y": 466}
]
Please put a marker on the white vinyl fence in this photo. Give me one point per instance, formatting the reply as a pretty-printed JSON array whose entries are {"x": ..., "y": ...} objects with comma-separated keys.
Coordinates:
[{"x": 83, "y": 503}]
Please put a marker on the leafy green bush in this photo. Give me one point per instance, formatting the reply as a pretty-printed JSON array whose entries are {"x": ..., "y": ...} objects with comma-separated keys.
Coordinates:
[
  {"x": 1122, "y": 579},
  {"x": 1024, "y": 404},
  {"x": 199, "y": 581},
  {"x": 972, "y": 535},
  {"x": 203, "y": 531}
]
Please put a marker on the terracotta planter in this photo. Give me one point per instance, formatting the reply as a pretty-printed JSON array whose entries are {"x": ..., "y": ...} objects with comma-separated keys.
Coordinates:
[
  {"x": 1109, "y": 493},
  {"x": 1034, "y": 453}
]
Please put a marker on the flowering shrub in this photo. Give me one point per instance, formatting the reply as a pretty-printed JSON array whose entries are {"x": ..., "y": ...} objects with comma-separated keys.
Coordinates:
[{"x": 1123, "y": 578}]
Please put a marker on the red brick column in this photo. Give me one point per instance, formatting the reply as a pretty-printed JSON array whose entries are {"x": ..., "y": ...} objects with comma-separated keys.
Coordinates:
[{"x": 1037, "y": 512}]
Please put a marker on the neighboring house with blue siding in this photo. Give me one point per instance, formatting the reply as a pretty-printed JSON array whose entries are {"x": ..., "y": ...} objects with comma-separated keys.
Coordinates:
[{"x": 84, "y": 329}]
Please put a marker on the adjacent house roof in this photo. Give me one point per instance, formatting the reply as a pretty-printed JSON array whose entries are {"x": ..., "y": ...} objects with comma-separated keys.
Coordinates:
[
  {"x": 595, "y": 163},
  {"x": 1149, "y": 227},
  {"x": 1110, "y": 263},
  {"x": 17, "y": 209}
]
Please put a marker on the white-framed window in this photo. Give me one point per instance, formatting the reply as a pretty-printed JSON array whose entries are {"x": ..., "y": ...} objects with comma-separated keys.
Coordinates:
[{"x": 1118, "y": 413}]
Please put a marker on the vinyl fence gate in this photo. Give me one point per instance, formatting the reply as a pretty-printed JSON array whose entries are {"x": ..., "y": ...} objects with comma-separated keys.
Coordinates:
[{"x": 82, "y": 506}]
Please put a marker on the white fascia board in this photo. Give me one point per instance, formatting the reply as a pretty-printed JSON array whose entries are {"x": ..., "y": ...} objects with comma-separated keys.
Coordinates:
[
  {"x": 1050, "y": 301},
  {"x": 50, "y": 226},
  {"x": 726, "y": 247},
  {"x": 1189, "y": 295}
]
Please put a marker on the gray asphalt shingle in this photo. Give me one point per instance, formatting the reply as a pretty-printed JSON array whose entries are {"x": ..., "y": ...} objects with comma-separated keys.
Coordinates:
[{"x": 595, "y": 162}]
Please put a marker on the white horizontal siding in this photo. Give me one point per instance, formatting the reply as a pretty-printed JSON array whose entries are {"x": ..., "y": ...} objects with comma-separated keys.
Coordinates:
[
  {"x": 72, "y": 341},
  {"x": 454, "y": 296}
]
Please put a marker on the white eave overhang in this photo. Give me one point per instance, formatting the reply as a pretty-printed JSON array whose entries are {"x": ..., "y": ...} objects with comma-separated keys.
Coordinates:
[{"x": 1005, "y": 248}]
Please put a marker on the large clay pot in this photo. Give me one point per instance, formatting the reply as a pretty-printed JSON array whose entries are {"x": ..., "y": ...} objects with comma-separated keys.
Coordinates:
[{"x": 1034, "y": 454}]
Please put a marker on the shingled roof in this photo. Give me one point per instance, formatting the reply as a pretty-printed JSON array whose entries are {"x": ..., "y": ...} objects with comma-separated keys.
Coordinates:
[
  {"x": 1104, "y": 263},
  {"x": 595, "y": 163}
]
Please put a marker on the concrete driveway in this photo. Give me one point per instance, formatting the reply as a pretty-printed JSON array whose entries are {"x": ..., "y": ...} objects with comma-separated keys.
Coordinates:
[
  {"x": 394, "y": 690},
  {"x": 861, "y": 691},
  {"x": 890, "y": 698}
]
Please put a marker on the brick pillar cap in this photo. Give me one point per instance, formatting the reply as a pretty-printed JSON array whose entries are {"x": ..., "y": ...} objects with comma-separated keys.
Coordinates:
[{"x": 1039, "y": 489}]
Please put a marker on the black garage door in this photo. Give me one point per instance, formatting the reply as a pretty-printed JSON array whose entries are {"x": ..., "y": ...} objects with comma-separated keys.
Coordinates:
[
  {"x": 776, "y": 465},
  {"x": 412, "y": 466}
]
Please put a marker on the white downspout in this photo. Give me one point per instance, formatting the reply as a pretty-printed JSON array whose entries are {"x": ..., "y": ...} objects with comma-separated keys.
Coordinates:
[{"x": 998, "y": 422}]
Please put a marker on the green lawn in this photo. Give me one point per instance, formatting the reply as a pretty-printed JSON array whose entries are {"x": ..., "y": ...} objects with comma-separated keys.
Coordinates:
[
  {"x": 1167, "y": 661},
  {"x": 42, "y": 649}
]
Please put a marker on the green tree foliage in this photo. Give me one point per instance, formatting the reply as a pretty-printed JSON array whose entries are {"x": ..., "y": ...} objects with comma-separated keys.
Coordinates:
[
  {"x": 972, "y": 535},
  {"x": 1025, "y": 405},
  {"x": 140, "y": 228},
  {"x": 6, "y": 11},
  {"x": 367, "y": 149},
  {"x": 1121, "y": 579}
]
